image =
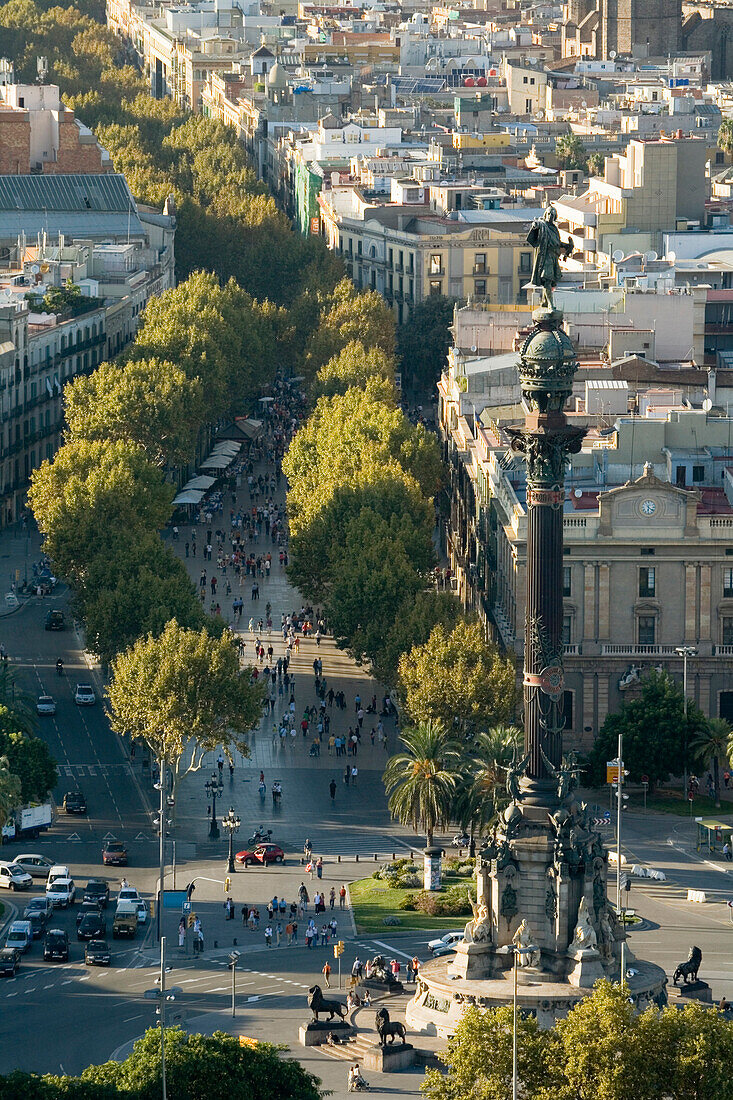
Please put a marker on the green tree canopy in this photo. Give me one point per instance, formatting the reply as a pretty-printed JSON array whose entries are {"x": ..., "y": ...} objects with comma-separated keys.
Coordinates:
[
  {"x": 344, "y": 434},
  {"x": 654, "y": 731},
  {"x": 149, "y": 402},
  {"x": 390, "y": 494},
  {"x": 353, "y": 366},
  {"x": 134, "y": 587},
  {"x": 349, "y": 315},
  {"x": 571, "y": 153},
  {"x": 10, "y": 790},
  {"x": 184, "y": 694},
  {"x": 423, "y": 342},
  {"x": 216, "y": 1066},
  {"x": 413, "y": 626},
  {"x": 457, "y": 676},
  {"x": 421, "y": 781},
  {"x": 90, "y": 490},
  {"x": 725, "y": 135}
]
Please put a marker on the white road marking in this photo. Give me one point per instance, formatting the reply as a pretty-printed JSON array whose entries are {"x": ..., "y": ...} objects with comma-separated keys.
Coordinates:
[{"x": 392, "y": 950}]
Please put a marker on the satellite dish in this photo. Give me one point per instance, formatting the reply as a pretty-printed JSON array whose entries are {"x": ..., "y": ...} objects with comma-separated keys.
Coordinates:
[
  {"x": 707, "y": 405},
  {"x": 35, "y": 269},
  {"x": 617, "y": 256},
  {"x": 612, "y": 54},
  {"x": 474, "y": 349},
  {"x": 577, "y": 493},
  {"x": 651, "y": 256}
]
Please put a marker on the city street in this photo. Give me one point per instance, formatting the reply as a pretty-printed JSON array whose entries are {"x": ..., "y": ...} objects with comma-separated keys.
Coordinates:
[{"x": 89, "y": 1015}]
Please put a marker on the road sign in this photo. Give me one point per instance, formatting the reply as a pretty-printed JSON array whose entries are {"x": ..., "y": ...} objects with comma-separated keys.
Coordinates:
[
  {"x": 607, "y": 814},
  {"x": 612, "y": 771},
  {"x": 172, "y": 899},
  {"x": 186, "y": 907},
  {"x": 645, "y": 779},
  {"x": 729, "y": 904}
]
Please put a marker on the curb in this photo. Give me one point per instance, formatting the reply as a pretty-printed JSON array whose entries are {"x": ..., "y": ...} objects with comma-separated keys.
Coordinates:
[{"x": 12, "y": 911}]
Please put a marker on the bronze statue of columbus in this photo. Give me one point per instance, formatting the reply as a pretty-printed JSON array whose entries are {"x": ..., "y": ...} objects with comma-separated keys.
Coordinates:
[{"x": 544, "y": 237}]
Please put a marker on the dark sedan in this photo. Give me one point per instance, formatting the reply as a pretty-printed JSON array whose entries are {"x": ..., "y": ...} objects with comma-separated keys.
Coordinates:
[
  {"x": 75, "y": 803},
  {"x": 97, "y": 953},
  {"x": 92, "y": 927},
  {"x": 9, "y": 961},
  {"x": 97, "y": 890},
  {"x": 56, "y": 945},
  {"x": 263, "y": 854}
]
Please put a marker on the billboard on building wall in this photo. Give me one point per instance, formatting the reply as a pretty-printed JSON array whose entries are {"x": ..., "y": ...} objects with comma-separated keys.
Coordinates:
[{"x": 315, "y": 226}]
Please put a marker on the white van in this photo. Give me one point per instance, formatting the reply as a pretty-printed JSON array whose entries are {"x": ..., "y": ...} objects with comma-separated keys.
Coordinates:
[{"x": 13, "y": 877}]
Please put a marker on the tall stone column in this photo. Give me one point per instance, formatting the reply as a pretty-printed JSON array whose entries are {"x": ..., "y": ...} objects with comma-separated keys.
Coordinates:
[{"x": 546, "y": 367}]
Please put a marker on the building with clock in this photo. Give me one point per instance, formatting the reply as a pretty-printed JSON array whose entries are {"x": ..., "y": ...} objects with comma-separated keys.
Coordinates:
[{"x": 648, "y": 545}]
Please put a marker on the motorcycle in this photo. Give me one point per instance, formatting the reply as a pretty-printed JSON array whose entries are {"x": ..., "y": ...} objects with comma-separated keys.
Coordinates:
[
  {"x": 461, "y": 840},
  {"x": 261, "y": 836},
  {"x": 59, "y": 667}
]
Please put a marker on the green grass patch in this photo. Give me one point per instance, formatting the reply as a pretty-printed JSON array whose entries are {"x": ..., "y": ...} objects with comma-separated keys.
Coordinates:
[
  {"x": 673, "y": 802},
  {"x": 373, "y": 900}
]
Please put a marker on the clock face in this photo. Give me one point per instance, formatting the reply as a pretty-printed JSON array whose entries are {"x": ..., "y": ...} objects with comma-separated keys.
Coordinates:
[{"x": 648, "y": 507}]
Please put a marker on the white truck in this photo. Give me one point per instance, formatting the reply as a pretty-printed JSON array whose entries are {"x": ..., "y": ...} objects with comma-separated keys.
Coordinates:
[{"x": 28, "y": 822}]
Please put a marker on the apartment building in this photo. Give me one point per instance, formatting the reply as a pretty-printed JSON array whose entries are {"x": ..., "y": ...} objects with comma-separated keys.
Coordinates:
[
  {"x": 39, "y": 134},
  {"x": 84, "y": 230}
]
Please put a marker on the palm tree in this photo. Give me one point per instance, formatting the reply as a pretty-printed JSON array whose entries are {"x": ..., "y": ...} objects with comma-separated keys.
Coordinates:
[
  {"x": 712, "y": 742},
  {"x": 421, "y": 782},
  {"x": 9, "y": 790},
  {"x": 480, "y": 797}
]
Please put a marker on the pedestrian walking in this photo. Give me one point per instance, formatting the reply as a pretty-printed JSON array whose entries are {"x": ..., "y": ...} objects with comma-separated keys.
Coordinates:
[
  {"x": 354, "y": 775},
  {"x": 229, "y": 906},
  {"x": 319, "y": 866},
  {"x": 268, "y": 936},
  {"x": 332, "y": 789},
  {"x": 289, "y": 932},
  {"x": 347, "y": 775},
  {"x": 182, "y": 933},
  {"x": 278, "y": 933},
  {"x": 342, "y": 897},
  {"x": 332, "y": 898},
  {"x": 326, "y": 971},
  {"x": 295, "y": 931}
]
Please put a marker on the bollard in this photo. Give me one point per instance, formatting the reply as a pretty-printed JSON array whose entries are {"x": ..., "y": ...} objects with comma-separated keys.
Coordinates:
[
  {"x": 234, "y": 942},
  {"x": 216, "y": 943},
  {"x": 375, "y": 857},
  {"x": 357, "y": 858},
  {"x": 339, "y": 859},
  {"x": 394, "y": 857}
]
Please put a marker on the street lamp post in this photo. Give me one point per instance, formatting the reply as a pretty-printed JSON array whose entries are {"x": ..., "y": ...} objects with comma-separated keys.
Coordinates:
[
  {"x": 515, "y": 951},
  {"x": 233, "y": 960},
  {"x": 213, "y": 787},
  {"x": 231, "y": 823},
  {"x": 685, "y": 651}
]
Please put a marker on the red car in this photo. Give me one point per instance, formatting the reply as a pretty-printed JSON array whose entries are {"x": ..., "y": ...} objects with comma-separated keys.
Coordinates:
[
  {"x": 114, "y": 852},
  {"x": 263, "y": 853}
]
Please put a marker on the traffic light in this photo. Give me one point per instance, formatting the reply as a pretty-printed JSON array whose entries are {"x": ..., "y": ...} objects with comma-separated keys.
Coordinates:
[
  {"x": 227, "y": 884},
  {"x": 191, "y": 919},
  {"x": 338, "y": 949}
]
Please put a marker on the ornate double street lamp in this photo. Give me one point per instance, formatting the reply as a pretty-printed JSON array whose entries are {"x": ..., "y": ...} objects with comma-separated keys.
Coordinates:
[
  {"x": 231, "y": 823},
  {"x": 213, "y": 787},
  {"x": 516, "y": 951}
]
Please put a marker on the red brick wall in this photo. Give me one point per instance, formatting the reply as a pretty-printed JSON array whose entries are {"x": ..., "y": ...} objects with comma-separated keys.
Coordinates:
[
  {"x": 72, "y": 156},
  {"x": 15, "y": 143}
]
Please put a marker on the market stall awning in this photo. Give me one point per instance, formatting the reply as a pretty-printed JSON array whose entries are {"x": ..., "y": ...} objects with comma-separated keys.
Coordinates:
[
  {"x": 216, "y": 462},
  {"x": 203, "y": 481},
  {"x": 243, "y": 428},
  {"x": 228, "y": 448},
  {"x": 189, "y": 496}
]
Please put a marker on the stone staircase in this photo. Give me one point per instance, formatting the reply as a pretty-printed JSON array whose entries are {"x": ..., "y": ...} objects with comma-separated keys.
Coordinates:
[{"x": 354, "y": 1049}]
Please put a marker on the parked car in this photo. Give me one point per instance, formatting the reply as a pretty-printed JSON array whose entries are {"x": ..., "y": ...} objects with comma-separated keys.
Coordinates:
[
  {"x": 55, "y": 620},
  {"x": 263, "y": 853},
  {"x": 40, "y": 906},
  {"x": 97, "y": 953},
  {"x": 38, "y": 924},
  {"x": 125, "y": 921},
  {"x": 143, "y": 911},
  {"x": 20, "y": 935},
  {"x": 36, "y": 865},
  {"x": 128, "y": 893},
  {"x": 84, "y": 695},
  {"x": 86, "y": 909},
  {"x": 13, "y": 877},
  {"x": 75, "y": 803},
  {"x": 97, "y": 890},
  {"x": 56, "y": 945},
  {"x": 446, "y": 944},
  {"x": 9, "y": 961},
  {"x": 114, "y": 852},
  {"x": 61, "y": 893},
  {"x": 92, "y": 927},
  {"x": 59, "y": 870},
  {"x": 45, "y": 704}
]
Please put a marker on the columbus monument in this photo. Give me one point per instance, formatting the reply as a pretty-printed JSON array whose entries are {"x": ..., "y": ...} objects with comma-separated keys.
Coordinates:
[{"x": 541, "y": 876}]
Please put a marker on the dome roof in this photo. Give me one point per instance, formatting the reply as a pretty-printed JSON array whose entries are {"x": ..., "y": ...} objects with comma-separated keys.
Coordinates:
[
  {"x": 550, "y": 346},
  {"x": 277, "y": 79}
]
